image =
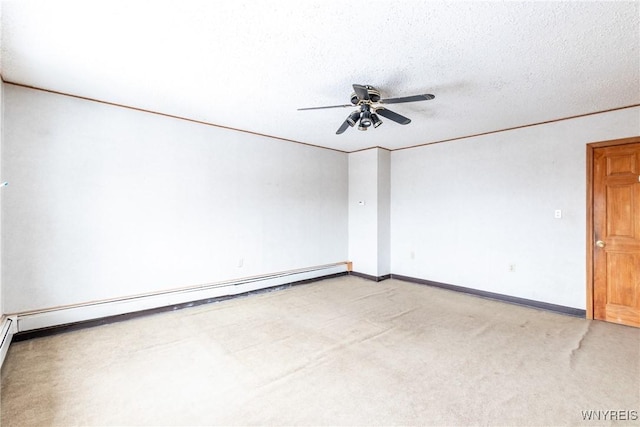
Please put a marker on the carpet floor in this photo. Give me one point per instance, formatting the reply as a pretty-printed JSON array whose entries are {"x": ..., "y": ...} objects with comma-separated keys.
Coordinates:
[{"x": 342, "y": 351}]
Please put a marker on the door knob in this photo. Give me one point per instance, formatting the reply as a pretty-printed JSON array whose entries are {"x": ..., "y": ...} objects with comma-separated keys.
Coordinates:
[{"x": 600, "y": 244}]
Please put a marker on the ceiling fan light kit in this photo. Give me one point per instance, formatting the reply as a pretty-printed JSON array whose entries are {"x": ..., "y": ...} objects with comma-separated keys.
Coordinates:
[
  {"x": 353, "y": 118},
  {"x": 365, "y": 116},
  {"x": 375, "y": 120},
  {"x": 368, "y": 99}
]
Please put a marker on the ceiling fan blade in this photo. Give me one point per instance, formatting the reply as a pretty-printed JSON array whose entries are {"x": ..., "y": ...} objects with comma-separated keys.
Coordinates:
[
  {"x": 393, "y": 116},
  {"x": 414, "y": 98},
  {"x": 361, "y": 92},
  {"x": 343, "y": 127},
  {"x": 329, "y": 106}
]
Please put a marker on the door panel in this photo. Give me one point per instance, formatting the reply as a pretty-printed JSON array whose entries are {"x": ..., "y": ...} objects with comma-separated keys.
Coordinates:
[
  {"x": 616, "y": 231},
  {"x": 619, "y": 215}
]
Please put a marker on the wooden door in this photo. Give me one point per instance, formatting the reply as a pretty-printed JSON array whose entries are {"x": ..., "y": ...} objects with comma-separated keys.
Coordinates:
[{"x": 616, "y": 233}]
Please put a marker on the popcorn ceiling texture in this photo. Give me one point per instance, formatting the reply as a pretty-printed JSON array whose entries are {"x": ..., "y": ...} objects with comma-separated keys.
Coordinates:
[{"x": 250, "y": 65}]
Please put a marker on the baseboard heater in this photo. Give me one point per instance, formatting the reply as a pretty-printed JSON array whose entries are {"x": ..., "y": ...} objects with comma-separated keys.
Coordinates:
[
  {"x": 176, "y": 298},
  {"x": 8, "y": 325}
]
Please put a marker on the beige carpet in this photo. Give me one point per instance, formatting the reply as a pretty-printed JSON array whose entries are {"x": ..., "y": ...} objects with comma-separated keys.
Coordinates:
[{"x": 343, "y": 351}]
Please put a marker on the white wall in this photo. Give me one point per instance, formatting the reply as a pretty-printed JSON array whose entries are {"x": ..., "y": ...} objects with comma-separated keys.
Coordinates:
[
  {"x": 384, "y": 212},
  {"x": 2, "y": 311},
  {"x": 462, "y": 212},
  {"x": 369, "y": 224},
  {"x": 107, "y": 202},
  {"x": 363, "y": 218}
]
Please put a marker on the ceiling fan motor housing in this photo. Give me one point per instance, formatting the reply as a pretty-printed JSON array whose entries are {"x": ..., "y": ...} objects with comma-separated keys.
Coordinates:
[{"x": 374, "y": 95}]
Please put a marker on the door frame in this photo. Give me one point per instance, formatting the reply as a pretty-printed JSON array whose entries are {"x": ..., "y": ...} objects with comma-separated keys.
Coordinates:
[{"x": 590, "y": 231}]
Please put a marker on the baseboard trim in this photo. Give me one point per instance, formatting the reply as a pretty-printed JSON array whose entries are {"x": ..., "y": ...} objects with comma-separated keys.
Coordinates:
[
  {"x": 23, "y": 327},
  {"x": 370, "y": 277},
  {"x": 570, "y": 311}
]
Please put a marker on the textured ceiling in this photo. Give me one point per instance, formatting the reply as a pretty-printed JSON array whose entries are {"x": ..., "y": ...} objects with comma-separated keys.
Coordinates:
[{"x": 250, "y": 64}]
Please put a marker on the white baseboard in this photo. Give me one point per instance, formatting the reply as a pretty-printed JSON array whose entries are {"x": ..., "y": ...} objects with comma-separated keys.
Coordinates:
[
  {"x": 96, "y": 310},
  {"x": 8, "y": 327}
]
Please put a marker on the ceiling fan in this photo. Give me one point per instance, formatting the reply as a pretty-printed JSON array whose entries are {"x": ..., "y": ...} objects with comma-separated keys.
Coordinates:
[{"x": 367, "y": 99}]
